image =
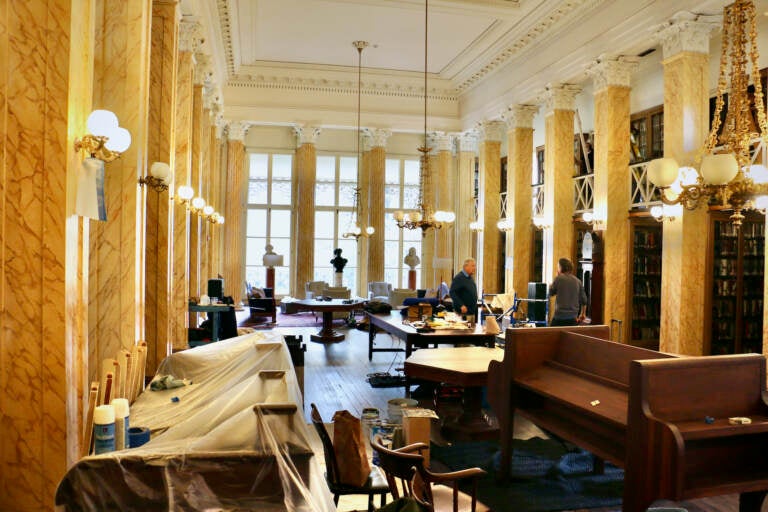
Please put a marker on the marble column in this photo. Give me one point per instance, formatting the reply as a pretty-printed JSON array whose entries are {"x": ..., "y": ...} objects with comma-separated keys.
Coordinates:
[
  {"x": 489, "y": 206},
  {"x": 196, "y": 178},
  {"x": 613, "y": 180},
  {"x": 364, "y": 185},
  {"x": 428, "y": 191},
  {"x": 206, "y": 191},
  {"x": 685, "y": 45},
  {"x": 306, "y": 168},
  {"x": 377, "y": 162},
  {"x": 235, "y": 213},
  {"x": 465, "y": 240},
  {"x": 519, "y": 242},
  {"x": 46, "y": 92},
  {"x": 182, "y": 175},
  {"x": 558, "y": 176},
  {"x": 218, "y": 184},
  {"x": 160, "y": 148},
  {"x": 444, "y": 200}
]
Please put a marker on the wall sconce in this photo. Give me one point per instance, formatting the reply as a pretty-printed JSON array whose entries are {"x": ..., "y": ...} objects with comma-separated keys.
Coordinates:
[
  {"x": 505, "y": 225},
  {"x": 197, "y": 205},
  {"x": 540, "y": 223},
  {"x": 158, "y": 178},
  {"x": 215, "y": 218},
  {"x": 476, "y": 226},
  {"x": 207, "y": 211},
  {"x": 184, "y": 195},
  {"x": 105, "y": 139},
  {"x": 666, "y": 212},
  {"x": 597, "y": 223}
]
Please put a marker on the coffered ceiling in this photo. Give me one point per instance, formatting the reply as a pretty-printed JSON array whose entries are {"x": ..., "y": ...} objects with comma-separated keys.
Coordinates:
[{"x": 283, "y": 61}]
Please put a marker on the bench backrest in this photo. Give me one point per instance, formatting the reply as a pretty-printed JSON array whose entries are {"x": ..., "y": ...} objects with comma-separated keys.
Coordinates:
[
  {"x": 606, "y": 359},
  {"x": 695, "y": 387},
  {"x": 528, "y": 348}
]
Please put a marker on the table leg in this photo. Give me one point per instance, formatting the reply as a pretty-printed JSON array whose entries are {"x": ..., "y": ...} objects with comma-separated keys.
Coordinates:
[
  {"x": 371, "y": 336},
  {"x": 215, "y": 326},
  {"x": 472, "y": 424},
  {"x": 327, "y": 334}
]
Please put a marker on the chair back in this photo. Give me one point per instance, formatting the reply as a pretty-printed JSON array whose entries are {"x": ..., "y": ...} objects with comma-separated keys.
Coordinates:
[
  {"x": 379, "y": 288},
  {"x": 402, "y": 471},
  {"x": 337, "y": 292},
  {"x": 331, "y": 466},
  {"x": 316, "y": 287}
]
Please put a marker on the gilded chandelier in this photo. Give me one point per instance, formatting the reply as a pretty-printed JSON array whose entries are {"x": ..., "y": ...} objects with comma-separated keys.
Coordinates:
[{"x": 727, "y": 179}]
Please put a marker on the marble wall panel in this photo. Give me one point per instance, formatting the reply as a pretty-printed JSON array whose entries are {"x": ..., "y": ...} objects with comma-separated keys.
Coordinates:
[
  {"x": 306, "y": 156},
  {"x": 611, "y": 186},
  {"x": 182, "y": 176},
  {"x": 376, "y": 161},
  {"x": 684, "y": 251},
  {"x": 444, "y": 199},
  {"x": 464, "y": 239},
  {"x": 195, "y": 222},
  {"x": 160, "y": 148},
  {"x": 558, "y": 190},
  {"x": 490, "y": 169},
  {"x": 519, "y": 200}
]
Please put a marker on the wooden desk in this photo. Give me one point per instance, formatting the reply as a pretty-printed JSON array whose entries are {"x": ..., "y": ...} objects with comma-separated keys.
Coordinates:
[
  {"x": 327, "y": 334},
  {"x": 393, "y": 324},
  {"x": 214, "y": 309},
  {"x": 460, "y": 366}
]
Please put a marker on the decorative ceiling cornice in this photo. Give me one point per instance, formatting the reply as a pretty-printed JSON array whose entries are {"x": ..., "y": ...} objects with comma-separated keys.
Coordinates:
[
  {"x": 306, "y": 84},
  {"x": 559, "y": 15},
  {"x": 226, "y": 34}
]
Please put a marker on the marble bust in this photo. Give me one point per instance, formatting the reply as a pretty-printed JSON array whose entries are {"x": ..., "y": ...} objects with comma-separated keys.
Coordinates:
[{"x": 412, "y": 259}]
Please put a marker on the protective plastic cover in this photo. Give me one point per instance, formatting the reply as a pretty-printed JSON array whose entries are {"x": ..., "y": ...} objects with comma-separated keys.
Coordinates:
[{"x": 236, "y": 439}]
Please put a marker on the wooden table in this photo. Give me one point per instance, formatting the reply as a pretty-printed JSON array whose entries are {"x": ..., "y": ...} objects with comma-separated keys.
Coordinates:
[
  {"x": 214, "y": 310},
  {"x": 393, "y": 324},
  {"x": 327, "y": 308},
  {"x": 459, "y": 366}
]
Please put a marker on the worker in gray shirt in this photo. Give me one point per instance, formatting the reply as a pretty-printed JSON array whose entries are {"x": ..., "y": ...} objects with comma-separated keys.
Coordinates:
[{"x": 570, "y": 297}]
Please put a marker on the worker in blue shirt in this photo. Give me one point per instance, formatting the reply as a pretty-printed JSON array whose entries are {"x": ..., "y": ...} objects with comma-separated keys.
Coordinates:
[{"x": 464, "y": 291}]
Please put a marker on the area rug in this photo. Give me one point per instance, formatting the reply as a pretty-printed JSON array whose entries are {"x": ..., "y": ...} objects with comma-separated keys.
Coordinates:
[
  {"x": 547, "y": 476},
  {"x": 294, "y": 320}
]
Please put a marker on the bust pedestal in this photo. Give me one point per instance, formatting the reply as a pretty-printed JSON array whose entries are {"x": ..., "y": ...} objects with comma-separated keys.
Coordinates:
[
  {"x": 412, "y": 279},
  {"x": 271, "y": 277},
  {"x": 337, "y": 278}
]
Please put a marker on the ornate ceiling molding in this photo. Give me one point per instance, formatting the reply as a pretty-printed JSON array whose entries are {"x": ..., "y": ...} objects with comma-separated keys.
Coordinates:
[
  {"x": 225, "y": 21},
  {"x": 237, "y": 130},
  {"x": 335, "y": 86},
  {"x": 467, "y": 142},
  {"x": 306, "y": 134},
  {"x": 520, "y": 116},
  {"x": 190, "y": 34},
  {"x": 687, "y": 32},
  {"x": 378, "y": 136},
  {"x": 443, "y": 141},
  {"x": 559, "y": 15},
  {"x": 612, "y": 71}
]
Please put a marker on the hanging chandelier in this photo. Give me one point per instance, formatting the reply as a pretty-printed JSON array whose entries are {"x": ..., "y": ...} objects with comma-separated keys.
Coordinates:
[
  {"x": 424, "y": 217},
  {"x": 354, "y": 229},
  {"x": 729, "y": 177}
]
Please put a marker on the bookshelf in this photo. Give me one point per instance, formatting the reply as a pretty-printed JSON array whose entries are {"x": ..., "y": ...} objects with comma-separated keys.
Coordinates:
[
  {"x": 736, "y": 289},
  {"x": 645, "y": 283}
]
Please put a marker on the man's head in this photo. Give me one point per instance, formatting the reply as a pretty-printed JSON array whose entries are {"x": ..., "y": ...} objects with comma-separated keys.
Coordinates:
[
  {"x": 469, "y": 266},
  {"x": 565, "y": 266}
]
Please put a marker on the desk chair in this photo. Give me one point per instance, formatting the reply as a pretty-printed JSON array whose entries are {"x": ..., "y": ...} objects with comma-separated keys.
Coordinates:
[
  {"x": 375, "y": 485},
  {"x": 379, "y": 290},
  {"x": 406, "y": 473}
]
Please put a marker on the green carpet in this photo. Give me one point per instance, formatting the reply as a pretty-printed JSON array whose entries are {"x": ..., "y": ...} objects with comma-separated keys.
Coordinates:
[{"x": 547, "y": 476}]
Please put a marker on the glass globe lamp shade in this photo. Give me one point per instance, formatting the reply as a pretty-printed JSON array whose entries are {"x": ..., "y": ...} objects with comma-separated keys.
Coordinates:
[
  {"x": 370, "y": 230},
  {"x": 398, "y": 215},
  {"x": 450, "y": 216},
  {"x": 161, "y": 171},
  {"x": 198, "y": 203},
  {"x": 118, "y": 140},
  {"x": 416, "y": 216},
  {"x": 101, "y": 123},
  {"x": 208, "y": 210},
  {"x": 185, "y": 192},
  {"x": 657, "y": 211},
  {"x": 662, "y": 171},
  {"x": 587, "y": 216},
  {"x": 719, "y": 169},
  {"x": 439, "y": 216},
  {"x": 220, "y": 220}
]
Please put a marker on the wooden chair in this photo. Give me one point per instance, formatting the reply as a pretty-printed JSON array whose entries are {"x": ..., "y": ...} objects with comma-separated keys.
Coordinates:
[
  {"x": 375, "y": 485},
  {"x": 406, "y": 473}
]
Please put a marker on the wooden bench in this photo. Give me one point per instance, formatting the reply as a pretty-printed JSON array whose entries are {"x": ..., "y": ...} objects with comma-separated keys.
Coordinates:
[{"x": 640, "y": 409}]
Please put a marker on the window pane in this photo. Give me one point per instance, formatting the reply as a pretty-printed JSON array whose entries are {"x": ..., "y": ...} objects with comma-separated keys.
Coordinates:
[
  {"x": 255, "y": 276},
  {"x": 254, "y": 250},
  {"x": 349, "y": 279},
  {"x": 325, "y": 194},
  {"x": 390, "y": 276},
  {"x": 391, "y": 231},
  {"x": 257, "y": 192},
  {"x": 326, "y": 168},
  {"x": 282, "y": 281},
  {"x": 258, "y": 165},
  {"x": 281, "y": 223},
  {"x": 281, "y": 166},
  {"x": 281, "y": 192},
  {"x": 282, "y": 246},
  {"x": 392, "y": 172},
  {"x": 345, "y": 221},
  {"x": 256, "y": 223},
  {"x": 323, "y": 254},
  {"x": 348, "y": 248},
  {"x": 347, "y": 194},
  {"x": 413, "y": 237},
  {"x": 411, "y": 176},
  {"x": 392, "y": 196},
  {"x": 324, "y": 221},
  {"x": 348, "y": 169},
  {"x": 410, "y": 198},
  {"x": 392, "y": 256}
]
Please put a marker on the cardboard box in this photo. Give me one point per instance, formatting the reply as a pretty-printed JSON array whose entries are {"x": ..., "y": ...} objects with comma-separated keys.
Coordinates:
[{"x": 417, "y": 426}]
